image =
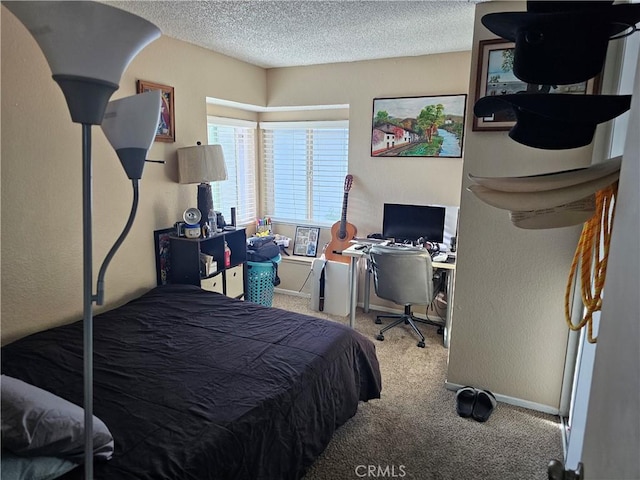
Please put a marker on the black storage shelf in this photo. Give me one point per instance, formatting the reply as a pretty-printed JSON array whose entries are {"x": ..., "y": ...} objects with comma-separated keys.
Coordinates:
[{"x": 185, "y": 256}]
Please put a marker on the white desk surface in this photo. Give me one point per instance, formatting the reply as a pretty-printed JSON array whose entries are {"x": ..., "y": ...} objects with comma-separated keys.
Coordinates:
[
  {"x": 357, "y": 254},
  {"x": 353, "y": 252}
]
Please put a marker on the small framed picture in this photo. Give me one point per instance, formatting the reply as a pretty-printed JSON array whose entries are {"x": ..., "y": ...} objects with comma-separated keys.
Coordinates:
[
  {"x": 305, "y": 242},
  {"x": 495, "y": 77},
  {"x": 162, "y": 240},
  {"x": 166, "y": 131}
]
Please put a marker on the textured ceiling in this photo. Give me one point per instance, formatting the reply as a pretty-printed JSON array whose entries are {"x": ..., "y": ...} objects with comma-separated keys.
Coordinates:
[{"x": 293, "y": 33}]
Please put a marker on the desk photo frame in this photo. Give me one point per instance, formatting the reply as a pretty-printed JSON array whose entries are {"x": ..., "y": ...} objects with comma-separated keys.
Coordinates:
[{"x": 305, "y": 243}]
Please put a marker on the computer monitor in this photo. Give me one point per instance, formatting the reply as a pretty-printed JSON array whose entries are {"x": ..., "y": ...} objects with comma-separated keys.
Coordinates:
[{"x": 410, "y": 222}]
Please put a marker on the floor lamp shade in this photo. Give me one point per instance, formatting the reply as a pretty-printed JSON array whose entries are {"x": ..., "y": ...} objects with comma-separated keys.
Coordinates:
[
  {"x": 88, "y": 46},
  {"x": 130, "y": 125},
  {"x": 202, "y": 164}
]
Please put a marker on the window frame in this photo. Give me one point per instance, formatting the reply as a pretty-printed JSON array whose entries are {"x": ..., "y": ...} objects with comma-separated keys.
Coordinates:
[
  {"x": 267, "y": 201},
  {"x": 242, "y": 219}
]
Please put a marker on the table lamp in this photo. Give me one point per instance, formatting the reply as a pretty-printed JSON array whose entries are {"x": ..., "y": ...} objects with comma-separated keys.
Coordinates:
[{"x": 202, "y": 164}]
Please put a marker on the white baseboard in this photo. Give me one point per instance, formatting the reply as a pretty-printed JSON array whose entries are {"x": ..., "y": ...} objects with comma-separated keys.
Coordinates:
[
  {"x": 518, "y": 402},
  {"x": 294, "y": 293}
]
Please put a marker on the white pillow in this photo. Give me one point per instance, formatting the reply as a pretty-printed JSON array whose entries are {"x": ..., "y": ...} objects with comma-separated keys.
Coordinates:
[
  {"x": 34, "y": 468},
  {"x": 38, "y": 423}
]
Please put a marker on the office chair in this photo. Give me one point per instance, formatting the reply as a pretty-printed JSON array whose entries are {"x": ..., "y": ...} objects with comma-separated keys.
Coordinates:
[{"x": 404, "y": 275}]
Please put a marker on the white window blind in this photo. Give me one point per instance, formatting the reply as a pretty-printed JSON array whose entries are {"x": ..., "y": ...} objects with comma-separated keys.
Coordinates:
[
  {"x": 238, "y": 140},
  {"x": 304, "y": 167}
]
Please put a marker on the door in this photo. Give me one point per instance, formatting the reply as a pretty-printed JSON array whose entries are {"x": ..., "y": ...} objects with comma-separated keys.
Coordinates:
[{"x": 605, "y": 433}]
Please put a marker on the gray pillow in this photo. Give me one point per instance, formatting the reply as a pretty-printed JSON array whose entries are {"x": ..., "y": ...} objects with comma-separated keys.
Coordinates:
[
  {"x": 38, "y": 423},
  {"x": 34, "y": 468}
]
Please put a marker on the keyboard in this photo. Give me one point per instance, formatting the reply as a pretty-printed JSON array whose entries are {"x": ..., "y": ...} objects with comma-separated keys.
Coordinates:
[
  {"x": 368, "y": 241},
  {"x": 439, "y": 256}
]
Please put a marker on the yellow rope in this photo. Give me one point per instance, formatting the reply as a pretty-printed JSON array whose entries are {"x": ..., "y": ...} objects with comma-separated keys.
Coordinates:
[{"x": 592, "y": 254}]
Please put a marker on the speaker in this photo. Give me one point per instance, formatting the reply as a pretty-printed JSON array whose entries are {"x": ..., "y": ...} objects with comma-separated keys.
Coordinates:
[{"x": 192, "y": 216}]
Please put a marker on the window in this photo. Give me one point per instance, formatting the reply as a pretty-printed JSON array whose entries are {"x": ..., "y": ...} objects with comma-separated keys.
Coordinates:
[
  {"x": 238, "y": 140},
  {"x": 305, "y": 164}
]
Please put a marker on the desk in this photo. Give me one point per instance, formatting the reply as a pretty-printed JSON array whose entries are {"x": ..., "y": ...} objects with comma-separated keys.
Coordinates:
[{"x": 356, "y": 255}]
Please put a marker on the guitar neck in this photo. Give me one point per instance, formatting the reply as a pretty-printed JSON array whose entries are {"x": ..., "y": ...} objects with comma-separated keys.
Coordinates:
[{"x": 343, "y": 220}]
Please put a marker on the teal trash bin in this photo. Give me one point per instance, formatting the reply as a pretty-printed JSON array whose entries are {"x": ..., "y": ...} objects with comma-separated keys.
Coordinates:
[{"x": 260, "y": 278}]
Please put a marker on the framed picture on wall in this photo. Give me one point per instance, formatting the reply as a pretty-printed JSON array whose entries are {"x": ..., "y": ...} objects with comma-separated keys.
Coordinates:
[
  {"x": 305, "y": 242},
  {"x": 495, "y": 77},
  {"x": 166, "y": 126},
  {"x": 430, "y": 126}
]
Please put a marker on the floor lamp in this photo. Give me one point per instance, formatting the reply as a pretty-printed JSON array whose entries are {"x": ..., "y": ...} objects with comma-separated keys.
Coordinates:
[
  {"x": 130, "y": 124},
  {"x": 88, "y": 46}
]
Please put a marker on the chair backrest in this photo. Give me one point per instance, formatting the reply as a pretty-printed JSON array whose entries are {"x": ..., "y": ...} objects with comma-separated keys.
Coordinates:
[{"x": 402, "y": 274}]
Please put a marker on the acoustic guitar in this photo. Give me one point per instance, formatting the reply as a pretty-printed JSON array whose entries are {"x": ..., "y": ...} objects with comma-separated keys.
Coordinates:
[{"x": 341, "y": 232}]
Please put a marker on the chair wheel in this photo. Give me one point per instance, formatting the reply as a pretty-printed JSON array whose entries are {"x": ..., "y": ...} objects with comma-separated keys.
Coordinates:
[
  {"x": 378, "y": 321},
  {"x": 440, "y": 330},
  {"x": 421, "y": 344},
  {"x": 380, "y": 337}
]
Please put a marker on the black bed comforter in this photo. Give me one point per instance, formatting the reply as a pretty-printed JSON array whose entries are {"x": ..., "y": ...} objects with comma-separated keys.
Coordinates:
[{"x": 195, "y": 385}]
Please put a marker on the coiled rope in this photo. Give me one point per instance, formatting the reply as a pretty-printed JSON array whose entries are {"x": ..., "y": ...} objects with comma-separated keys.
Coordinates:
[{"x": 591, "y": 255}]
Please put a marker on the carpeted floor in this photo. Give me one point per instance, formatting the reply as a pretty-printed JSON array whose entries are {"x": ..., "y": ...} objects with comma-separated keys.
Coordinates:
[{"x": 413, "y": 431}]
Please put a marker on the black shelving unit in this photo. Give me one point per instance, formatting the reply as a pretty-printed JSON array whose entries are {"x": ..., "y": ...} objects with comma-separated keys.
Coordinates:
[{"x": 186, "y": 267}]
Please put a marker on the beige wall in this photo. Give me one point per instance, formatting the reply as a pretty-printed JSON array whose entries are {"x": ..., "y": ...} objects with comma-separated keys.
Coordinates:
[
  {"x": 41, "y": 162},
  {"x": 509, "y": 334},
  {"x": 376, "y": 180},
  {"x": 41, "y": 175},
  {"x": 380, "y": 180}
]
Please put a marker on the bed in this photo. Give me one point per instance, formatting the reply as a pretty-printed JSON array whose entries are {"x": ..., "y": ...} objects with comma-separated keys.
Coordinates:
[{"x": 196, "y": 385}]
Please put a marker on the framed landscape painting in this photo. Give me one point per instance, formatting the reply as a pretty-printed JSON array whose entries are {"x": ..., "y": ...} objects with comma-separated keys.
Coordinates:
[
  {"x": 495, "y": 77},
  {"x": 431, "y": 126}
]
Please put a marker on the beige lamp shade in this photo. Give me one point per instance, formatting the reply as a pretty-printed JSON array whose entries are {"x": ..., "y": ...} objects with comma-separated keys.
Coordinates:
[{"x": 201, "y": 164}]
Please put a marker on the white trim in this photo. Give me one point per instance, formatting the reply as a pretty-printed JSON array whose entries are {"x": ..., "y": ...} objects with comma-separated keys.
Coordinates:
[
  {"x": 258, "y": 108},
  {"x": 298, "y": 259},
  {"x": 518, "y": 402},
  {"x": 231, "y": 122},
  {"x": 305, "y": 125},
  {"x": 293, "y": 293}
]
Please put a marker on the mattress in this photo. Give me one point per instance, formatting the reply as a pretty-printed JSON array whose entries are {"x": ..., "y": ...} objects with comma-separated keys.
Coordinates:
[{"x": 196, "y": 385}]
